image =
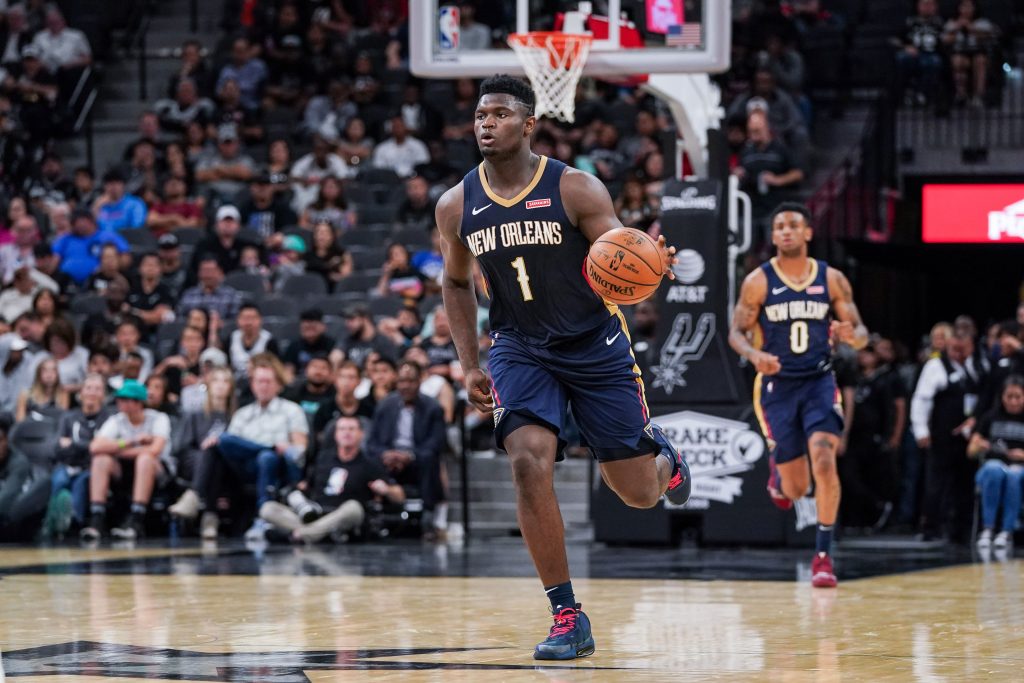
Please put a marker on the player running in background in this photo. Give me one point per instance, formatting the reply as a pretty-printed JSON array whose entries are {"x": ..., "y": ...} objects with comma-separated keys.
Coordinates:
[
  {"x": 529, "y": 221},
  {"x": 792, "y": 299}
]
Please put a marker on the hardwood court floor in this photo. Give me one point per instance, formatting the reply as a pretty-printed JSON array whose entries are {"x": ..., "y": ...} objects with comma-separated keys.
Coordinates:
[{"x": 312, "y": 615}]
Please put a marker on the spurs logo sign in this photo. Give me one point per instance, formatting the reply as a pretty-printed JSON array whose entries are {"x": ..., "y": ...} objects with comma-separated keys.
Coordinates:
[
  {"x": 717, "y": 449},
  {"x": 686, "y": 342}
]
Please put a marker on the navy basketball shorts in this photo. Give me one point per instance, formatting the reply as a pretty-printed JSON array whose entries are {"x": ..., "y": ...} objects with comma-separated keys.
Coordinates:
[
  {"x": 596, "y": 375},
  {"x": 791, "y": 409}
]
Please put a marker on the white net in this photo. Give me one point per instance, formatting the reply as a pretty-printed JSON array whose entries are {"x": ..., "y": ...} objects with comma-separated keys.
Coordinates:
[{"x": 554, "y": 63}]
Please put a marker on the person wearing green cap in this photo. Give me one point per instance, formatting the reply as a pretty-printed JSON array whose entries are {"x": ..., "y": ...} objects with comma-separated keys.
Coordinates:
[
  {"x": 133, "y": 444},
  {"x": 292, "y": 261}
]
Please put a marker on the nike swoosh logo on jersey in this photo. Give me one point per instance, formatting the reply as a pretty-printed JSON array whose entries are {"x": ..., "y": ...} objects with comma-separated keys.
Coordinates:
[
  {"x": 608, "y": 341},
  {"x": 779, "y": 290},
  {"x": 482, "y": 208}
]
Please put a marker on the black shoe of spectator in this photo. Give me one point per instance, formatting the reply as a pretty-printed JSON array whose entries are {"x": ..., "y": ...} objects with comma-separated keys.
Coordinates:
[
  {"x": 131, "y": 530},
  {"x": 93, "y": 531}
]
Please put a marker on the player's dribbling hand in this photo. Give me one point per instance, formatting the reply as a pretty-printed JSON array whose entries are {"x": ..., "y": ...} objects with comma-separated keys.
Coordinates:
[
  {"x": 765, "y": 363},
  {"x": 668, "y": 256},
  {"x": 478, "y": 385},
  {"x": 842, "y": 331}
]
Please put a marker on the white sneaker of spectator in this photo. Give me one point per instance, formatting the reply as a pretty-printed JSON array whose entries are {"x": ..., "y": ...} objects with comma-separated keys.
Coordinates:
[
  {"x": 257, "y": 532},
  {"x": 208, "y": 524},
  {"x": 985, "y": 539},
  {"x": 1003, "y": 539}
]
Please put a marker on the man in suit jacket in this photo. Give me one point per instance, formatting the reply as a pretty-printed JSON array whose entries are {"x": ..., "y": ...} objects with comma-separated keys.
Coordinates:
[{"x": 407, "y": 436}]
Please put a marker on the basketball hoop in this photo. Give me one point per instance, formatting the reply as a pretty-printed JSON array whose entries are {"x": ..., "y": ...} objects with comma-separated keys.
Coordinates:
[{"x": 554, "y": 62}]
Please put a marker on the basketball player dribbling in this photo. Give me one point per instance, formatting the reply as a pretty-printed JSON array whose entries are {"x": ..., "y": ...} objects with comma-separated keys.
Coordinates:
[
  {"x": 796, "y": 399},
  {"x": 529, "y": 222}
]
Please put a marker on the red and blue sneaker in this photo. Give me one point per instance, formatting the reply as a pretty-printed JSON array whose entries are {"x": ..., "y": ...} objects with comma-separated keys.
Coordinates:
[
  {"x": 678, "y": 491},
  {"x": 822, "y": 574},
  {"x": 569, "y": 637},
  {"x": 775, "y": 487}
]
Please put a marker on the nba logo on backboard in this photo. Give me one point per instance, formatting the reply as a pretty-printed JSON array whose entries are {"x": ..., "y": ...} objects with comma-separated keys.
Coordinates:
[{"x": 448, "y": 28}]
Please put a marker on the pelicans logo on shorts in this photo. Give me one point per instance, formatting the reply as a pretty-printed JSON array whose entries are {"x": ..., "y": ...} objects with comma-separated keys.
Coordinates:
[{"x": 498, "y": 414}]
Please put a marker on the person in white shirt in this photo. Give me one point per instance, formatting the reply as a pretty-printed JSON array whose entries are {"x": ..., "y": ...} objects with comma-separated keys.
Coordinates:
[
  {"x": 18, "y": 299},
  {"x": 136, "y": 442},
  {"x": 62, "y": 47},
  {"x": 401, "y": 152},
  {"x": 265, "y": 443},
  {"x": 308, "y": 171}
]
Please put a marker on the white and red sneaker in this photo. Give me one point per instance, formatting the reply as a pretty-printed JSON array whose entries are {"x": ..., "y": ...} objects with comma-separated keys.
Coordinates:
[
  {"x": 775, "y": 487},
  {"x": 822, "y": 575}
]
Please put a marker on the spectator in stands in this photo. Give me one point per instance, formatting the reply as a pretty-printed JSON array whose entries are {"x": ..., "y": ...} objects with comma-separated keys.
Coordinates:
[
  {"x": 330, "y": 207},
  {"x": 157, "y": 397},
  {"x": 15, "y": 37},
  {"x": 46, "y": 396},
  {"x": 355, "y": 146},
  {"x": 1009, "y": 361},
  {"x": 400, "y": 152},
  {"x": 327, "y": 115},
  {"x": 115, "y": 209},
  {"x": 289, "y": 83},
  {"x": 969, "y": 37},
  {"x": 248, "y": 340},
  {"x": 22, "y": 491},
  {"x": 266, "y": 440},
  {"x": 60, "y": 221},
  {"x": 231, "y": 111},
  {"x": 47, "y": 307},
  {"x": 149, "y": 299},
  {"x": 175, "y": 209},
  {"x": 128, "y": 338},
  {"x": 343, "y": 481},
  {"x": 110, "y": 269},
  {"x": 183, "y": 368},
  {"x": 149, "y": 131},
  {"x": 999, "y": 441},
  {"x": 313, "y": 341},
  {"x": 16, "y": 374},
  {"x": 314, "y": 388},
  {"x": 439, "y": 171},
  {"x": 211, "y": 293},
  {"x": 439, "y": 346},
  {"x": 52, "y": 181},
  {"x": 69, "y": 482},
  {"x": 172, "y": 273},
  {"x": 398, "y": 277},
  {"x": 407, "y": 437},
  {"x": 248, "y": 71},
  {"x": 85, "y": 192},
  {"x": 290, "y": 262},
  {"x": 227, "y": 242},
  {"x": 186, "y": 106},
  {"x": 632, "y": 207},
  {"x": 100, "y": 327},
  {"x": 265, "y": 214},
  {"x": 225, "y": 172},
  {"x": 784, "y": 115},
  {"x": 279, "y": 166},
  {"x": 62, "y": 48},
  {"x": 36, "y": 90},
  {"x": 458, "y": 116},
  {"x": 919, "y": 61},
  {"x": 19, "y": 254},
  {"x": 101, "y": 362},
  {"x": 326, "y": 257},
  {"x": 310, "y": 170},
  {"x": 200, "y": 430},
  {"x": 767, "y": 168},
  {"x": 417, "y": 209},
  {"x": 940, "y": 415},
  {"x": 61, "y": 344},
  {"x": 193, "y": 68},
  {"x": 344, "y": 403},
  {"x": 361, "y": 339},
  {"x": 211, "y": 360},
  {"x": 435, "y": 384},
  {"x": 195, "y": 143},
  {"x": 18, "y": 298},
  {"x": 473, "y": 35},
  {"x": 135, "y": 443}
]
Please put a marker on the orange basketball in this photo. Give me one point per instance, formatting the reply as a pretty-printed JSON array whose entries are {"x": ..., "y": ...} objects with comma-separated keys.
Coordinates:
[{"x": 625, "y": 266}]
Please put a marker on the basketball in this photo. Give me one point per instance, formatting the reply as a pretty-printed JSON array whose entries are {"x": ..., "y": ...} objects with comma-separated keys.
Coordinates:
[{"x": 625, "y": 266}]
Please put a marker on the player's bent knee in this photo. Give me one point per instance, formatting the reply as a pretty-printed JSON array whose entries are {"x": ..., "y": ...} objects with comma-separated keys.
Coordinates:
[{"x": 640, "y": 499}]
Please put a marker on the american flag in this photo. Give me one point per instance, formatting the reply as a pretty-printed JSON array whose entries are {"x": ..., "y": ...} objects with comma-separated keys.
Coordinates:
[{"x": 683, "y": 35}]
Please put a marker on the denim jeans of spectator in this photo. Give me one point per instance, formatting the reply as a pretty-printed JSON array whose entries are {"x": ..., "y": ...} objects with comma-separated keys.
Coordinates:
[
  {"x": 257, "y": 463},
  {"x": 922, "y": 70},
  {"x": 999, "y": 485},
  {"x": 78, "y": 484}
]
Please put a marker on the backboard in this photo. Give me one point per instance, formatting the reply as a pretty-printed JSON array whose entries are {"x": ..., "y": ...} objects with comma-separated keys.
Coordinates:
[{"x": 651, "y": 36}]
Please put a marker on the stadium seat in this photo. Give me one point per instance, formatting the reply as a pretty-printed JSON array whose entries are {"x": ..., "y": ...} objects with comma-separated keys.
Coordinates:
[
  {"x": 428, "y": 303},
  {"x": 140, "y": 240},
  {"x": 190, "y": 236},
  {"x": 413, "y": 238},
  {"x": 247, "y": 283},
  {"x": 357, "y": 283},
  {"x": 365, "y": 236},
  {"x": 371, "y": 175},
  {"x": 37, "y": 439},
  {"x": 376, "y": 213},
  {"x": 285, "y": 332},
  {"x": 368, "y": 258},
  {"x": 279, "y": 307},
  {"x": 168, "y": 336},
  {"x": 301, "y": 286},
  {"x": 385, "y": 306}
]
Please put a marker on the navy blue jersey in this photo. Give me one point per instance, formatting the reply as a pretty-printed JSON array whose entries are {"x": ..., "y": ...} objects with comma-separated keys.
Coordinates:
[
  {"x": 795, "y": 321},
  {"x": 532, "y": 258}
]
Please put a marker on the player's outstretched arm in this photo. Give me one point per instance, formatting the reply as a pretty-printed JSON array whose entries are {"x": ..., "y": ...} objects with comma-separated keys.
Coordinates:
[
  {"x": 849, "y": 328},
  {"x": 744, "y": 318},
  {"x": 589, "y": 206},
  {"x": 460, "y": 298}
]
